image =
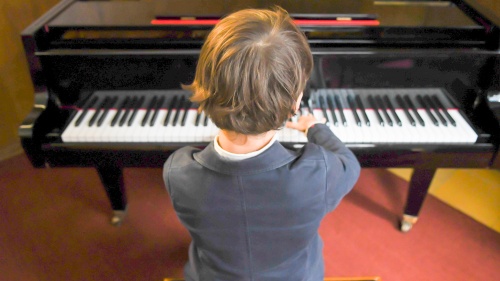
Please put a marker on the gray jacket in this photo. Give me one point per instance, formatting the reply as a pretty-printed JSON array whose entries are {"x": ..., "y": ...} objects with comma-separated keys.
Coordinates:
[{"x": 258, "y": 219}]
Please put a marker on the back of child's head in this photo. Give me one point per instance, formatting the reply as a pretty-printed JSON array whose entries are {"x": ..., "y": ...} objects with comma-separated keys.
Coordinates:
[{"x": 252, "y": 68}]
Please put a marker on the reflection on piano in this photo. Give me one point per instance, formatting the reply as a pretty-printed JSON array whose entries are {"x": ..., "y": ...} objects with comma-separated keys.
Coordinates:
[{"x": 400, "y": 91}]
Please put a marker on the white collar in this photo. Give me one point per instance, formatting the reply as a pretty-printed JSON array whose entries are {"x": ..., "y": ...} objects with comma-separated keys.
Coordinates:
[{"x": 237, "y": 157}]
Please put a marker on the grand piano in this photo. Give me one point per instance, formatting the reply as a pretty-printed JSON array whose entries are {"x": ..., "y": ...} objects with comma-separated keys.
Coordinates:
[{"x": 403, "y": 84}]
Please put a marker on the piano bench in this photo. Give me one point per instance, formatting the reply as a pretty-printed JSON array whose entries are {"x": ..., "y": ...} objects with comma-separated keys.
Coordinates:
[{"x": 326, "y": 279}]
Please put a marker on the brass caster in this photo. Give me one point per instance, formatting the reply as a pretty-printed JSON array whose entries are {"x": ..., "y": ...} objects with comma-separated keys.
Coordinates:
[
  {"x": 408, "y": 222},
  {"x": 118, "y": 217}
]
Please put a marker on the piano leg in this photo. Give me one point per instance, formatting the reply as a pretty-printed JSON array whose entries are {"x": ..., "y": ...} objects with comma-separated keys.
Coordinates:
[
  {"x": 112, "y": 179},
  {"x": 419, "y": 185}
]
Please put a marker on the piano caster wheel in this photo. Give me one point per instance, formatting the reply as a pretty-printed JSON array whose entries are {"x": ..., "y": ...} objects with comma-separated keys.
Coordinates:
[
  {"x": 406, "y": 226},
  {"x": 407, "y": 223},
  {"x": 117, "y": 218}
]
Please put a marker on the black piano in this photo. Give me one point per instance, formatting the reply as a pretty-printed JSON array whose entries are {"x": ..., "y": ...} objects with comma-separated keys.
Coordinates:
[{"x": 403, "y": 84}]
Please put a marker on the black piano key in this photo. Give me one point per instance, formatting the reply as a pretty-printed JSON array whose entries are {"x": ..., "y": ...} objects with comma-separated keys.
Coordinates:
[
  {"x": 393, "y": 111},
  {"x": 158, "y": 106},
  {"x": 198, "y": 117},
  {"x": 110, "y": 104},
  {"x": 137, "y": 106},
  {"x": 380, "y": 104},
  {"x": 302, "y": 107},
  {"x": 150, "y": 108},
  {"x": 322, "y": 104},
  {"x": 435, "y": 108},
  {"x": 412, "y": 107},
  {"x": 128, "y": 107},
  {"x": 171, "y": 106},
  {"x": 341, "y": 110},
  {"x": 440, "y": 105},
  {"x": 310, "y": 108},
  {"x": 178, "y": 111},
  {"x": 205, "y": 122},
  {"x": 187, "y": 106},
  {"x": 85, "y": 111},
  {"x": 98, "y": 111},
  {"x": 350, "y": 101},
  {"x": 427, "y": 110},
  {"x": 119, "y": 111},
  {"x": 331, "y": 105},
  {"x": 405, "y": 109},
  {"x": 361, "y": 106},
  {"x": 372, "y": 103}
]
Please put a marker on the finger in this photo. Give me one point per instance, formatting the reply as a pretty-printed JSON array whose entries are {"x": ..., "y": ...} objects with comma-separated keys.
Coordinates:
[
  {"x": 291, "y": 125},
  {"x": 296, "y": 126}
]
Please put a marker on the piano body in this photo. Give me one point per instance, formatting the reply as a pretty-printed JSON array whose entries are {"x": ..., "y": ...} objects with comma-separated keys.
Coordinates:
[{"x": 404, "y": 85}]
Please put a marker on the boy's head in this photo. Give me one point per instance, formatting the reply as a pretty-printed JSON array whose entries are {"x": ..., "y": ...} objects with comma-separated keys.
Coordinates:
[{"x": 252, "y": 68}]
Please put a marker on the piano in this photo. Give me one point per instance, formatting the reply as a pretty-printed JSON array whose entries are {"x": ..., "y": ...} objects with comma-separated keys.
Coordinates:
[{"x": 403, "y": 84}]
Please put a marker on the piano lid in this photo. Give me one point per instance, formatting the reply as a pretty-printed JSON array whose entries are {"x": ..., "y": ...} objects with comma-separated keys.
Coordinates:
[
  {"x": 439, "y": 24},
  {"x": 139, "y": 14}
]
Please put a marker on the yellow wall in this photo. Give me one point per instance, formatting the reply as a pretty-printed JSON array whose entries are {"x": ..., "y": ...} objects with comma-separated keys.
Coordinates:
[
  {"x": 492, "y": 5},
  {"x": 16, "y": 90}
]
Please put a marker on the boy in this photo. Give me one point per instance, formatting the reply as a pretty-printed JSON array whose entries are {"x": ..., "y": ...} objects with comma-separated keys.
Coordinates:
[{"x": 253, "y": 207}]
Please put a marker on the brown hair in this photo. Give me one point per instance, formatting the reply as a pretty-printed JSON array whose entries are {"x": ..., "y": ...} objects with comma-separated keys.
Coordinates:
[{"x": 251, "y": 70}]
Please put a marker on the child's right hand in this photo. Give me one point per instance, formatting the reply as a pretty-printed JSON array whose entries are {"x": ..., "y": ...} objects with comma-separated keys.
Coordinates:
[{"x": 304, "y": 122}]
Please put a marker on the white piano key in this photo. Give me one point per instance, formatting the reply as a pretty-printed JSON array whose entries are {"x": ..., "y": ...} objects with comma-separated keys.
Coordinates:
[
  {"x": 407, "y": 131},
  {"x": 113, "y": 135},
  {"x": 122, "y": 131},
  {"x": 354, "y": 133},
  {"x": 91, "y": 134},
  {"x": 105, "y": 132},
  {"x": 396, "y": 131},
  {"x": 430, "y": 132},
  {"x": 176, "y": 128},
  {"x": 158, "y": 130},
  {"x": 147, "y": 129},
  {"x": 377, "y": 132},
  {"x": 280, "y": 135},
  {"x": 341, "y": 131},
  {"x": 204, "y": 130},
  {"x": 198, "y": 127},
  {"x": 187, "y": 133},
  {"x": 137, "y": 132},
  {"x": 467, "y": 134},
  {"x": 69, "y": 134}
]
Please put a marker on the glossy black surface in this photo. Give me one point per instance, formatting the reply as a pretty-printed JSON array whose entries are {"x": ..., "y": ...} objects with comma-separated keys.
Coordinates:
[
  {"x": 73, "y": 69},
  {"x": 117, "y": 24},
  {"x": 103, "y": 14}
]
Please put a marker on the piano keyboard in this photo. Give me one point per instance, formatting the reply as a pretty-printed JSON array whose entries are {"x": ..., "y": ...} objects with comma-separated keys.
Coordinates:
[{"x": 360, "y": 116}]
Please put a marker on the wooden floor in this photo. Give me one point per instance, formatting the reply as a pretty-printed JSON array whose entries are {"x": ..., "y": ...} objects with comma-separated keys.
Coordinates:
[{"x": 55, "y": 226}]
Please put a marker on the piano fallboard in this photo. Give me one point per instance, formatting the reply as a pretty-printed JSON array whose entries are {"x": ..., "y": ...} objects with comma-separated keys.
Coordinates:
[{"x": 376, "y": 156}]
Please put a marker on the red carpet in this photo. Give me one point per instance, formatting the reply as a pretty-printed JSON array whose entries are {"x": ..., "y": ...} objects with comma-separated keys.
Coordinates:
[{"x": 55, "y": 226}]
